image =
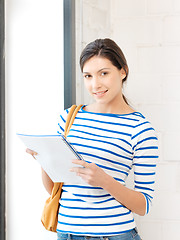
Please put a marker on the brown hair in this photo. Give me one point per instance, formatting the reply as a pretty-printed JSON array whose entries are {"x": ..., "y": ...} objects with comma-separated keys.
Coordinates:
[{"x": 105, "y": 48}]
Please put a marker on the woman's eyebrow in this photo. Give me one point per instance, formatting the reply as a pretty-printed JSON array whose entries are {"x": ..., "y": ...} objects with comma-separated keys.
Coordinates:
[
  {"x": 97, "y": 71},
  {"x": 85, "y": 72},
  {"x": 103, "y": 69}
]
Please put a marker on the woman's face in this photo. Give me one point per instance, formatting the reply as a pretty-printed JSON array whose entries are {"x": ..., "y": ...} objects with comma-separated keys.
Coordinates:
[{"x": 103, "y": 80}]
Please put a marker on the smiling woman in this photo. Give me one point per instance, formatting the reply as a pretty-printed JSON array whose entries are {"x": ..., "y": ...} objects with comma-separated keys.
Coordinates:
[{"x": 112, "y": 138}]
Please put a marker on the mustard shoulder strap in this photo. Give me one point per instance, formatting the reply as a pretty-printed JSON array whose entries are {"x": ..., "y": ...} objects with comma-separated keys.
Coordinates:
[{"x": 70, "y": 118}]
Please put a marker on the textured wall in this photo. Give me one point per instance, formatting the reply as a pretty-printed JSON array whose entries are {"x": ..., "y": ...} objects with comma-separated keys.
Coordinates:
[{"x": 148, "y": 31}]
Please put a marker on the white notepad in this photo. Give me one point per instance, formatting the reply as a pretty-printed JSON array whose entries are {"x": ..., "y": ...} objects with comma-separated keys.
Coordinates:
[{"x": 55, "y": 155}]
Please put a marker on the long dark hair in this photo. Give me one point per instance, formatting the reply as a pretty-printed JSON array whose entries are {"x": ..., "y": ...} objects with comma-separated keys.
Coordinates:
[{"x": 105, "y": 48}]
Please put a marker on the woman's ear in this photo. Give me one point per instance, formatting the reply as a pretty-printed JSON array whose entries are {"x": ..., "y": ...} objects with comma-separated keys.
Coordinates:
[{"x": 123, "y": 73}]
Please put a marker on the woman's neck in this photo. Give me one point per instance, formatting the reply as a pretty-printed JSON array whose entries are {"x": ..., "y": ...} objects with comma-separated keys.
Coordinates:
[{"x": 115, "y": 109}]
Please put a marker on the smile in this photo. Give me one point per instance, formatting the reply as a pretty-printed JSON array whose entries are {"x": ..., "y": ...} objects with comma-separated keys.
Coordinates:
[{"x": 100, "y": 94}]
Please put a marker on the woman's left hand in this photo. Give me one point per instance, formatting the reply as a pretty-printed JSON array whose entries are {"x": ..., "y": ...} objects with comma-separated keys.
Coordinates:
[{"x": 90, "y": 173}]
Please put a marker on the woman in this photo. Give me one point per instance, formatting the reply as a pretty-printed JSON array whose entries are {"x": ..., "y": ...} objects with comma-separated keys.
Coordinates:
[{"x": 112, "y": 138}]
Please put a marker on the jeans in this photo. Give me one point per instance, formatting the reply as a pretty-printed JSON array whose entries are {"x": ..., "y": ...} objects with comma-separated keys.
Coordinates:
[{"x": 133, "y": 234}]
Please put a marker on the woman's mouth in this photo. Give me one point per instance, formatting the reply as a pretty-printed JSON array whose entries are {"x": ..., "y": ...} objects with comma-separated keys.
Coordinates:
[{"x": 100, "y": 93}]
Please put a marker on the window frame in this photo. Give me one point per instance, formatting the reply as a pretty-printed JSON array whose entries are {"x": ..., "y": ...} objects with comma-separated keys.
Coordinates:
[
  {"x": 69, "y": 54},
  {"x": 2, "y": 125}
]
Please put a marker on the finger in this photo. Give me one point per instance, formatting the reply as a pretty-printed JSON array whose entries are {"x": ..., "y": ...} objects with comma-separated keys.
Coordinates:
[
  {"x": 31, "y": 152},
  {"x": 81, "y": 162},
  {"x": 78, "y": 170}
]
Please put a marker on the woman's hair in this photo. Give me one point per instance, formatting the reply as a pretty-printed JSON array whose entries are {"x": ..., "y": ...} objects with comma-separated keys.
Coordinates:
[{"x": 105, "y": 48}]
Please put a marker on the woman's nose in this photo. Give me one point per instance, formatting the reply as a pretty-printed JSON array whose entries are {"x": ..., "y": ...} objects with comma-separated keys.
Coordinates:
[{"x": 96, "y": 83}]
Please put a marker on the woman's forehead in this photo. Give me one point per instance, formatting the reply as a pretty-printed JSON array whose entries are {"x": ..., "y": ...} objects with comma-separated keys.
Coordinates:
[{"x": 96, "y": 63}]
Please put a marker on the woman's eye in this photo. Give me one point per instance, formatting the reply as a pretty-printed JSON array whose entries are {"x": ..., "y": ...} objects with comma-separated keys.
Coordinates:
[
  {"x": 104, "y": 73},
  {"x": 87, "y": 76}
]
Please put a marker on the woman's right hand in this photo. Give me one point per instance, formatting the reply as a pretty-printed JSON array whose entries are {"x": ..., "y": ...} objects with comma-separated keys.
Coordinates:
[
  {"x": 31, "y": 152},
  {"x": 48, "y": 183}
]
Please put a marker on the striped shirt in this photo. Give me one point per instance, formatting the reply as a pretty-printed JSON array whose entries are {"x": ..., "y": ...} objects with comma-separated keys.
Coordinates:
[{"x": 117, "y": 143}]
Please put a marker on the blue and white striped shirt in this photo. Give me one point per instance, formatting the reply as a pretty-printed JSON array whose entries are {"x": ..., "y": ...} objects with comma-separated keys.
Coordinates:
[{"x": 116, "y": 143}]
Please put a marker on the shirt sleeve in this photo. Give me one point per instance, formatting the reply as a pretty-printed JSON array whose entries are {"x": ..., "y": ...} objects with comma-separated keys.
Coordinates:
[
  {"x": 62, "y": 121},
  {"x": 145, "y": 149}
]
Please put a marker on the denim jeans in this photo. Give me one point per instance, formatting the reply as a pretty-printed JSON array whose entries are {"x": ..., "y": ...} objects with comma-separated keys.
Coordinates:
[{"x": 131, "y": 235}]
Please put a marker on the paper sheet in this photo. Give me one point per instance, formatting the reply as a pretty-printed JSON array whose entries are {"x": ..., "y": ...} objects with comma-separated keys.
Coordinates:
[{"x": 54, "y": 156}]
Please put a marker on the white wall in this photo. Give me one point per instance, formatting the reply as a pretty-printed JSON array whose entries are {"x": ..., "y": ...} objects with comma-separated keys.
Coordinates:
[
  {"x": 148, "y": 31},
  {"x": 34, "y": 83}
]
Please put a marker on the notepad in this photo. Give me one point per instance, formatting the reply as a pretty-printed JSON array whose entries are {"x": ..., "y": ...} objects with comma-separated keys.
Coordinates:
[{"x": 55, "y": 155}]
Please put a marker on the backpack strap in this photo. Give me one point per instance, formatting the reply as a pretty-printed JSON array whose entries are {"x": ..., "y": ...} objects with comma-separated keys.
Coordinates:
[{"x": 70, "y": 118}]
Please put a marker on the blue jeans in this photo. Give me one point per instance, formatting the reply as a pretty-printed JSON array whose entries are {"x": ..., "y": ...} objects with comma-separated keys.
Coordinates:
[{"x": 131, "y": 235}]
